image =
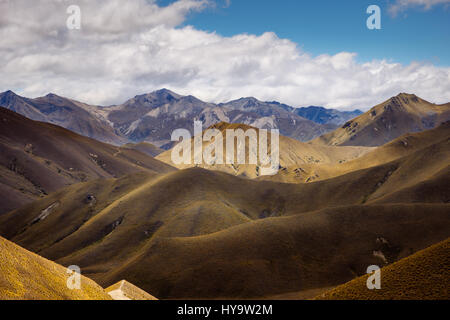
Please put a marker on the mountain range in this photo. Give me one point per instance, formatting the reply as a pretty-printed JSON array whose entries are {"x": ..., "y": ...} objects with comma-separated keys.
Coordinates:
[
  {"x": 70, "y": 114},
  {"x": 327, "y": 116},
  {"x": 153, "y": 117},
  {"x": 387, "y": 121}
]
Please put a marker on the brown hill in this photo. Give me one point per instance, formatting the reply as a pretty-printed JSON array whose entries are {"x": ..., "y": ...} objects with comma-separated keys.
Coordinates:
[
  {"x": 293, "y": 153},
  {"x": 286, "y": 254},
  {"x": 27, "y": 276},
  {"x": 422, "y": 276},
  {"x": 422, "y": 144},
  {"x": 405, "y": 113},
  {"x": 208, "y": 234},
  {"x": 38, "y": 158}
]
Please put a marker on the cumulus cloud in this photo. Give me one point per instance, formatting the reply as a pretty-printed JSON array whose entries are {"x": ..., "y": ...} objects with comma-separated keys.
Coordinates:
[
  {"x": 401, "y": 5},
  {"x": 131, "y": 47}
]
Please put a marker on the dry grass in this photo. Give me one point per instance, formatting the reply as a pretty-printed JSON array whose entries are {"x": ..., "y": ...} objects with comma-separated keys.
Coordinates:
[
  {"x": 27, "y": 276},
  {"x": 422, "y": 276},
  {"x": 208, "y": 234},
  {"x": 293, "y": 153}
]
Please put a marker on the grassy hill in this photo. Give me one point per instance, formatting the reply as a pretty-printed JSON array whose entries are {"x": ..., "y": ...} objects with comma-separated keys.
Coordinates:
[
  {"x": 39, "y": 158},
  {"x": 293, "y": 153},
  {"x": 27, "y": 276},
  {"x": 197, "y": 229},
  {"x": 422, "y": 276},
  {"x": 212, "y": 233},
  {"x": 417, "y": 146},
  {"x": 144, "y": 147}
]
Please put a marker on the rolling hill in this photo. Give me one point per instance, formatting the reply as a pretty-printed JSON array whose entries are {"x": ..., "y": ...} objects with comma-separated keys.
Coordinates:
[
  {"x": 27, "y": 276},
  {"x": 293, "y": 153},
  {"x": 38, "y": 158},
  {"x": 405, "y": 113},
  {"x": 260, "y": 238},
  {"x": 421, "y": 145},
  {"x": 144, "y": 147},
  {"x": 213, "y": 233},
  {"x": 422, "y": 276}
]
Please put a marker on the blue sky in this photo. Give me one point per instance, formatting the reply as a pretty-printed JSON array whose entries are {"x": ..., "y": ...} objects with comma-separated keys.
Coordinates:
[{"x": 319, "y": 26}]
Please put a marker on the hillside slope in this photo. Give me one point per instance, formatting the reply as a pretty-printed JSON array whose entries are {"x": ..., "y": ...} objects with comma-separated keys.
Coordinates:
[
  {"x": 145, "y": 148},
  {"x": 422, "y": 276},
  {"x": 405, "y": 113},
  {"x": 27, "y": 276},
  {"x": 293, "y": 153},
  {"x": 270, "y": 238},
  {"x": 38, "y": 158},
  {"x": 421, "y": 145}
]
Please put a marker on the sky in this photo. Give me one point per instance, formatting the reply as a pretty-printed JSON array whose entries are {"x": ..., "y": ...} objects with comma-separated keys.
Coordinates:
[
  {"x": 335, "y": 26},
  {"x": 297, "y": 52}
]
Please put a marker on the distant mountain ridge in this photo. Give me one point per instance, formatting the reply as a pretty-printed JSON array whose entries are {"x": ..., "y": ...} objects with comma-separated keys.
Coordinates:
[
  {"x": 154, "y": 116},
  {"x": 327, "y": 116},
  {"x": 73, "y": 115}
]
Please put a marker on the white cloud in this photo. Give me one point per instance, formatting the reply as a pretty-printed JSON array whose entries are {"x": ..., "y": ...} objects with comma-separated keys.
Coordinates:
[
  {"x": 401, "y": 5},
  {"x": 132, "y": 47}
]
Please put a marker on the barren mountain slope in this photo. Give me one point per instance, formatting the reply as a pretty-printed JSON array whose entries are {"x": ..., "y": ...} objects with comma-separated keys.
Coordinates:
[
  {"x": 268, "y": 237},
  {"x": 70, "y": 114},
  {"x": 434, "y": 140},
  {"x": 38, "y": 158},
  {"x": 154, "y": 116},
  {"x": 293, "y": 153},
  {"x": 405, "y": 113},
  {"x": 144, "y": 147}
]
